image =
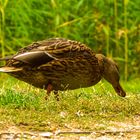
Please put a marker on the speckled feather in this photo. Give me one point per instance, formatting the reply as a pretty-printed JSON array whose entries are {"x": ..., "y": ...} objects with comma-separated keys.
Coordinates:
[
  {"x": 59, "y": 48},
  {"x": 75, "y": 65}
]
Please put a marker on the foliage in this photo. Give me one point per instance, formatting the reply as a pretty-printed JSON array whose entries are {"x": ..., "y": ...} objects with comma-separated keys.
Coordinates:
[{"x": 110, "y": 27}]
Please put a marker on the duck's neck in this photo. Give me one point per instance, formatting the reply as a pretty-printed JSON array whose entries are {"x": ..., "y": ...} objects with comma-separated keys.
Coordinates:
[{"x": 100, "y": 58}]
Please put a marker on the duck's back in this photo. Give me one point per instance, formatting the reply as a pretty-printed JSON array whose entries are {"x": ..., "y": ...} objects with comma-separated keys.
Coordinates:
[{"x": 58, "y": 47}]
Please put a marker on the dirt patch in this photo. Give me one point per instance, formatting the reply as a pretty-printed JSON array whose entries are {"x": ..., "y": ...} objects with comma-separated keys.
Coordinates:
[
  {"x": 116, "y": 130},
  {"x": 102, "y": 135}
]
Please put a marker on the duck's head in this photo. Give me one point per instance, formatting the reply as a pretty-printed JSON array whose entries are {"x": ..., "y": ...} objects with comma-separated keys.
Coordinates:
[{"x": 110, "y": 72}]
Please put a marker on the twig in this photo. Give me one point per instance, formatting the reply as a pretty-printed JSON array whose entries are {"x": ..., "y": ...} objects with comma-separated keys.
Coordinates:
[{"x": 97, "y": 132}]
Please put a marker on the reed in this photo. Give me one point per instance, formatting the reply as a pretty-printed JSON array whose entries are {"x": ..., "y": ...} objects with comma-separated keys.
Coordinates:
[
  {"x": 106, "y": 29},
  {"x": 2, "y": 26},
  {"x": 116, "y": 24},
  {"x": 125, "y": 39}
]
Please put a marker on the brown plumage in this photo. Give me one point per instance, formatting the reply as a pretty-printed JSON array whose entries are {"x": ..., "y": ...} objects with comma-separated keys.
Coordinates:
[{"x": 60, "y": 64}]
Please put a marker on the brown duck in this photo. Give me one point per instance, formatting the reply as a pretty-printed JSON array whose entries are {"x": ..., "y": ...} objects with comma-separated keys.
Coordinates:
[{"x": 60, "y": 64}]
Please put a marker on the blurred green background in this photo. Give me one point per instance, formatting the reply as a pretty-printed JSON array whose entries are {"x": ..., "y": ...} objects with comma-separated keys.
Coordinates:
[{"x": 111, "y": 27}]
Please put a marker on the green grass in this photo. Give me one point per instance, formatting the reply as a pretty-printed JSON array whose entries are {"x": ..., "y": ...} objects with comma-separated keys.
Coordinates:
[{"x": 24, "y": 106}]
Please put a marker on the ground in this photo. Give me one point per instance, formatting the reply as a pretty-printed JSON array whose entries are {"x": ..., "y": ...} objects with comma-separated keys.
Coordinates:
[
  {"x": 92, "y": 113},
  {"x": 116, "y": 130}
]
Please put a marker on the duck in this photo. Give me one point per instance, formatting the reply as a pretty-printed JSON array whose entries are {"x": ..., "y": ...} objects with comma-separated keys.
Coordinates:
[{"x": 59, "y": 64}]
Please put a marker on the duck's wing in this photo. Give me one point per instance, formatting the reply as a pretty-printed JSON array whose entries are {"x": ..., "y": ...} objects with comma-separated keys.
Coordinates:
[
  {"x": 58, "y": 48},
  {"x": 45, "y": 51},
  {"x": 34, "y": 58}
]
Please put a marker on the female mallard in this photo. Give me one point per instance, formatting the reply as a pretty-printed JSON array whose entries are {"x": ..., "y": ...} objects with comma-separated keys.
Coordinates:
[{"x": 60, "y": 64}]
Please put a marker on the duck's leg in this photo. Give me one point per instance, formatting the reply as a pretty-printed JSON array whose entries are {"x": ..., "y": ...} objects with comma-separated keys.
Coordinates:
[{"x": 49, "y": 89}]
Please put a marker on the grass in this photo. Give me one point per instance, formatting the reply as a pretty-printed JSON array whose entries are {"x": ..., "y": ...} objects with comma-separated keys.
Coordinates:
[{"x": 24, "y": 106}]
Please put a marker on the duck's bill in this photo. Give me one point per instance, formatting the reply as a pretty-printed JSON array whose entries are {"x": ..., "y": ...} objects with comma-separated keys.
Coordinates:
[
  {"x": 120, "y": 91},
  {"x": 9, "y": 69}
]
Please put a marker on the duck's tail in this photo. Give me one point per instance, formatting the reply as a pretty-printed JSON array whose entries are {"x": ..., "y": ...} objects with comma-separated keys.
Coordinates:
[
  {"x": 6, "y": 58},
  {"x": 6, "y": 69}
]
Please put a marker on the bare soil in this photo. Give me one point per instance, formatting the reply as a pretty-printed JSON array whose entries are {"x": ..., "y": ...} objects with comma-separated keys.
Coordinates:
[{"x": 117, "y": 131}]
